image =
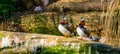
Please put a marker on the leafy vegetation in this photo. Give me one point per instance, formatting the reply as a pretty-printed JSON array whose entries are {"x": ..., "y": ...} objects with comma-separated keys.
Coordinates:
[{"x": 6, "y": 8}]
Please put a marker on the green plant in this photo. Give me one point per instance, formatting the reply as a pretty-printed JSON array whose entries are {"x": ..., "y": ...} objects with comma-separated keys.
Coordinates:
[
  {"x": 58, "y": 50},
  {"x": 6, "y": 8}
]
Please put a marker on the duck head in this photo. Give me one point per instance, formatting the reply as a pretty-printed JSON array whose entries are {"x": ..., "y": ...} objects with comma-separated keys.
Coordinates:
[
  {"x": 64, "y": 21},
  {"x": 82, "y": 21}
]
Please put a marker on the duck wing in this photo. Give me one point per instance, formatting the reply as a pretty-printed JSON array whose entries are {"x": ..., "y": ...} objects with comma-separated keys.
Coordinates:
[
  {"x": 70, "y": 28},
  {"x": 63, "y": 29},
  {"x": 86, "y": 31}
]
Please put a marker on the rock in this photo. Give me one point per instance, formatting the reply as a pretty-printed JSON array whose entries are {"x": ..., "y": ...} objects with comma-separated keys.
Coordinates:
[
  {"x": 33, "y": 36},
  {"x": 46, "y": 2},
  {"x": 5, "y": 42},
  {"x": 38, "y": 9},
  {"x": 52, "y": 40},
  {"x": 85, "y": 6}
]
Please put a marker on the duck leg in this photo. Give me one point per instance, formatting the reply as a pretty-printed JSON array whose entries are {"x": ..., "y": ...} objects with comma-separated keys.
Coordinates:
[{"x": 66, "y": 36}]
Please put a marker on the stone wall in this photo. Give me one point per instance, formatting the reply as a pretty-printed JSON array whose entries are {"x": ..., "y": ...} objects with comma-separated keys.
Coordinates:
[
  {"x": 78, "y": 5},
  {"x": 82, "y": 6}
]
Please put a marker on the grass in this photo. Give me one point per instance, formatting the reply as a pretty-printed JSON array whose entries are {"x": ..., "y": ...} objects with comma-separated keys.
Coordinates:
[
  {"x": 40, "y": 24},
  {"x": 111, "y": 23},
  {"x": 46, "y": 22}
]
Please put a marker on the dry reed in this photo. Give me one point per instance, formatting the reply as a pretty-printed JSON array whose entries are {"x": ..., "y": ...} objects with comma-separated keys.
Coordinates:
[{"x": 110, "y": 22}]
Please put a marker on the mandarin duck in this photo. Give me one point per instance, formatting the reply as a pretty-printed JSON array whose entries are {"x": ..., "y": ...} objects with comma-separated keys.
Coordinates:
[
  {"x": 83, "y": 32},
  {"x": 66, "y": 28}
]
